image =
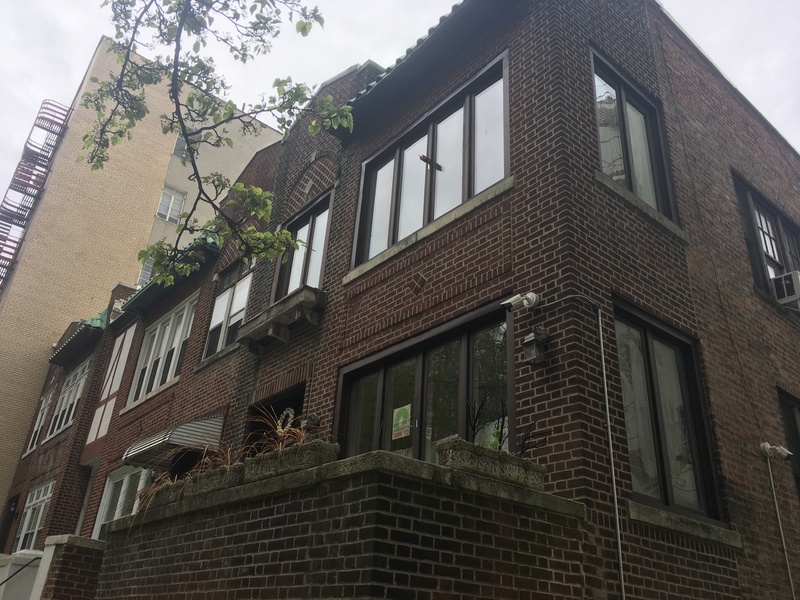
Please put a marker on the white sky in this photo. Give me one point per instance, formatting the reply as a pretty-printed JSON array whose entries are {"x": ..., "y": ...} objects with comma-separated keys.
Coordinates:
[{"x": 46, "y": 46}]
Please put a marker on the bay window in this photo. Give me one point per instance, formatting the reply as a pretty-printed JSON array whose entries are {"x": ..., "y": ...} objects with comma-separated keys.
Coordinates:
[{"x": 304, "y": 265}]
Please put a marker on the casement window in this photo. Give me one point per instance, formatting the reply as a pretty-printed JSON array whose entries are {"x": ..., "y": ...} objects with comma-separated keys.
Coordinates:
[
  {"x": 38, "y": 425},
  {"x": 121, "y": 495},
  {"x": 790, "y": 407},
  {"x": 771, "y": 237},
  {"x": 146, "y": 273},
  {"x": 669, "y": 459},
  {"x": 163, "y": 350},
  {"x": 33, "y": 516},
  {"x": 68, "y": 398},
  {"x": 630, "y": 144},
  {"x": 452, "y": 384},
  {"x": 171, "y": 205},
  {"x": 452, "y": 155},
  {"x": 229, "y": 307},
  {"x": 304, "y": 265}
]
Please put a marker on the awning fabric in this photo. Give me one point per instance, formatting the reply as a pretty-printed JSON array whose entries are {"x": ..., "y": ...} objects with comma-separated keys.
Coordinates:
[{"x": 154, "y": 452}]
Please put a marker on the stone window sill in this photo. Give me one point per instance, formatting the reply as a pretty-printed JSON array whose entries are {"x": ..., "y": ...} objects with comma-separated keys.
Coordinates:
[
  {"x": 152, "y": 394},
  {"x": 700, "y": 529},
  {"x": 431, "y": 228},
  {"x": 216, "y": 357},
  {"x": 649, "y": 212}
]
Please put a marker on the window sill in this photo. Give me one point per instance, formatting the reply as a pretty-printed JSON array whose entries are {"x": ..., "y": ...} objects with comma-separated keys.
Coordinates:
[
  {"x": 304, "y": 305},
  {"x": 216, "y": 357},
  {"x": 152, "y": 394},
  {"x": 665, "y": 519},
  {"x": 652, "y": 214},
  {"x": 485, "y": 196}
]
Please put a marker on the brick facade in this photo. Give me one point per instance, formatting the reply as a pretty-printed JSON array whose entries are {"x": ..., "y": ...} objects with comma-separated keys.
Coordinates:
[{"x": 555, "y": 224}]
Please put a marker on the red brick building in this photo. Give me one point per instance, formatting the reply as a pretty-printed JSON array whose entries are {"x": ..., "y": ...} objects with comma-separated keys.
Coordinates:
[{"x": 584, "y": 152}]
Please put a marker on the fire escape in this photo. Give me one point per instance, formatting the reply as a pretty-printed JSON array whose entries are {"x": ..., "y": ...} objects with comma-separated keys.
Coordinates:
[{"x": 27, "y": 183}]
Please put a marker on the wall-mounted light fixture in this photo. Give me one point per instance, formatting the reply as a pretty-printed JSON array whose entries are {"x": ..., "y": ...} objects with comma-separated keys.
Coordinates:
[{"x": 535, "y": 346}]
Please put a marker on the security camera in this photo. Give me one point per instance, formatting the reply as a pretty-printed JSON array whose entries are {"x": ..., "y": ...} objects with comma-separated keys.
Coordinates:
[
  {"x": 775, "y": 451},
  {"x": 529, "y": 300}
]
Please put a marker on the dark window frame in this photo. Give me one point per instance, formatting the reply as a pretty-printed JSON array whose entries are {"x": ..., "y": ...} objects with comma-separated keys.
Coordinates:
[
  {"x": 460, "y": 328},
  {"x": 751, "y": 203},
  {"x": 790, "y": 410},
  {"x": 461, "y": 99},
  {"x": 699, "y": 433},
  {"x": 629, "y": 93},
  {"x": 309, "y": 214}
]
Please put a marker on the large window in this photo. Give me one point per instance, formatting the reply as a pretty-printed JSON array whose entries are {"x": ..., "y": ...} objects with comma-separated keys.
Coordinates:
[
  {"x": 121, "y": 495},
  {"x": 446, "y": 159},
  {"x": 33, "y": 517},
  {"x": 229, "y": 307},
  {"x": 453, "y": 384},
  {"x": 68, "y": 399},
  {"x": 163, "y": 350},
  {"x": 630, "y": 145},
  {"x": 663, "y": 420},
  {"x": 304, "y": 265},
  {"x": 170, "y": 206},
  {"x": 791, "y": 420},
  {"x": 38, "y": 425},
  {"x": 772, "y": 239}
]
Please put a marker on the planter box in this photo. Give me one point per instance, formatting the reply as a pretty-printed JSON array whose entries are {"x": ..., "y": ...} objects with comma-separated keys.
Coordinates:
[
  {"x": 294, "y": 458},
  {"x": 464, "y": 456}
]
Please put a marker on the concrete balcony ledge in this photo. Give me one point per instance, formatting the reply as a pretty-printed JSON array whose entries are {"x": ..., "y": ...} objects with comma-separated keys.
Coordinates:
[{"x": 304, "y": 305}]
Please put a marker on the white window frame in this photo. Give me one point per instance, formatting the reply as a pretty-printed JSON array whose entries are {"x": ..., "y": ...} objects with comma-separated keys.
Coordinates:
[
  {"x": 132, "y": 481},
  {"x": 170, "y": 206},
  {"x": 165, "y": 336},
  {"x": 145, "y": 273},
  {"x": 38, "y": 426},
  {"x": 229, "y": 308},
  {"x": 30, "y": 525},
  {"x": 71, "y": 392}
]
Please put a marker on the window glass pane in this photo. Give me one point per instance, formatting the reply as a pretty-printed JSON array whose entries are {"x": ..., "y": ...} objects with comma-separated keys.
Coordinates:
[
  {"x": 644, "y": 185},
  {"x": 638, "y": 416},
  {"x": 412, "y": 189},
  {"x": 298, "y": 259},
  {"x": 489, "y": 137},
  {"x": 314, "y": 275},
  {"x": 612, "y": 161},
  {"x": 113, "y": 500},
  {"x": 363, "y": 402},
  {"x": 240, "y": 294},
  {"x": 220, "y": 308},
  {"x": 397, "y": 417},
  {"x": 381, "y": 208},
  {"x": 674, "y": 407},
  {"x": 131, "y": 489},
  {"x": 487, "y": 412},
  {"x": 441, "y": 396},
  {"x": 449, "y": 164}
]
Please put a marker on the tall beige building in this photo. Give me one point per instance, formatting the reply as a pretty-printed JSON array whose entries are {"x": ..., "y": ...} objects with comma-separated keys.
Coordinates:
[{"x": 82, "y": 234}]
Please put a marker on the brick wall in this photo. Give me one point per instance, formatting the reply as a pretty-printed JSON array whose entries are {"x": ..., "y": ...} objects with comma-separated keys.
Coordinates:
[{"x": 73, "y": 569}]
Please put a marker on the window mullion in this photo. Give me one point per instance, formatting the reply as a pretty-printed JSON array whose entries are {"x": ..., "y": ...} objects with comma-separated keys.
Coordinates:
[
  {"x": 312, "y": 222},
  {"x": 430, "y": 175},
  {"x": 468, "y": 152},
  {"x": 394, "y": 215},
  {"x": 417, "y": 412},
  {"x": 377, "y": 436}
]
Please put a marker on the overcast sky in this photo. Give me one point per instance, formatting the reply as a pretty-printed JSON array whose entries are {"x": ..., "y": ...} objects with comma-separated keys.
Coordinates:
[{"x": 46, "y": 46}]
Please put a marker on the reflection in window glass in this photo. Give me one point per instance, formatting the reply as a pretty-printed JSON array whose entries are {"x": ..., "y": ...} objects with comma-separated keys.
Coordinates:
[
  {"x": 363, "y": 402},
  {"x": 381, "y": 209},
  {"x": 643, "y": 185},
  {"x": 316, "y": 248},
  {"x": 400, "y": 400},
  {"x": 441, "y": 396},
  {"x": 449, "y": 164},
  {"x": 613, "y": 163},
  {"x": 412, "y": 189},
  {"x": 489, "y": 137},
  {"x": 638, "y": 416},
  {"x": 299, "y": 258},
  {"x": 487, "y": 410}
]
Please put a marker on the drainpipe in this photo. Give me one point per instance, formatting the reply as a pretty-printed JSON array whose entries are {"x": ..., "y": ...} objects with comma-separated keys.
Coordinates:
[{"x": 769, "y": 451}]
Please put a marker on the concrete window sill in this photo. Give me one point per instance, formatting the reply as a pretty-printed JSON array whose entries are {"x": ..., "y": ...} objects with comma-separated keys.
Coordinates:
[{"x": 665, "y": 519}]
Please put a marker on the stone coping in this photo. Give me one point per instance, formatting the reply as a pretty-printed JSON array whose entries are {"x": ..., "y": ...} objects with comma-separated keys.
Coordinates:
[
  {"x": 74, "y": 540},
  {"x": 665, "y": 519},
  {"x": 378, "y": 461},
  {"x": 19, "y": 557}
]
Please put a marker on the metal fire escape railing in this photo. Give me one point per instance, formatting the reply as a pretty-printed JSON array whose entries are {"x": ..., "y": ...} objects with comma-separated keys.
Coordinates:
[{"x": 27, "y": 183}]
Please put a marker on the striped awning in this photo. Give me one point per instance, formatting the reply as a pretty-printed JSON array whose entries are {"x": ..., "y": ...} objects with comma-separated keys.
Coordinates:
[{"x": 157, "y": 451}]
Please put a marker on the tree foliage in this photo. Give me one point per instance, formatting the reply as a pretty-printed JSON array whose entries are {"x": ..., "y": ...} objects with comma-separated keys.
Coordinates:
[{"x": 189, "y": 32}]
